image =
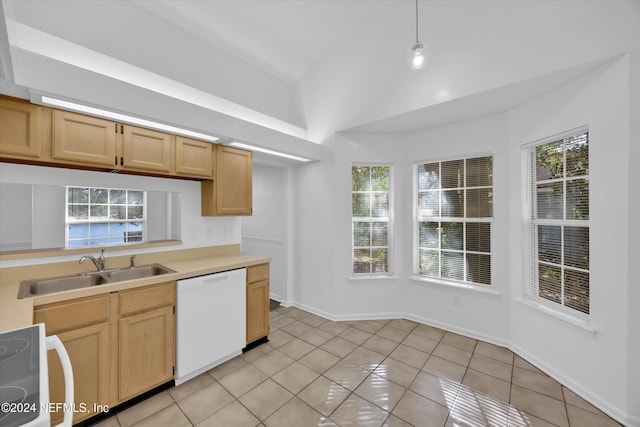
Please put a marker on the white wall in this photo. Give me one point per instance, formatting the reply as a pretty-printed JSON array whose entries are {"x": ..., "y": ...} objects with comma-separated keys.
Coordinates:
[
  {"x": 633, "y": 322},
  {"x": 266, "y": 231},
  {"x": 592, "y": 364},
  {"x": 16, "y": 216},
  {"x": 194, "y": 227}
]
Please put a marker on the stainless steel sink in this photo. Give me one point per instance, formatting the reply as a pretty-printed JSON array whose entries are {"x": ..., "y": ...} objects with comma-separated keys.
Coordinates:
[
  {"x": 137, "y": 272},
  {"x": 31, "y": 288}
]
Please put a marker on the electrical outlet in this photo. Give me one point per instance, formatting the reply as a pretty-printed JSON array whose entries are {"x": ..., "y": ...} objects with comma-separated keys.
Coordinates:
[
  {"x": 209, "y": 233},
  {"x": 228, "y": 232}
]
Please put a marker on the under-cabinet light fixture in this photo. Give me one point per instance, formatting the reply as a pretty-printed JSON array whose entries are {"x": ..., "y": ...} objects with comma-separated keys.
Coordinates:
[
  {"x": 67, "y": 105},
  {"x": 267, "y": 151}
]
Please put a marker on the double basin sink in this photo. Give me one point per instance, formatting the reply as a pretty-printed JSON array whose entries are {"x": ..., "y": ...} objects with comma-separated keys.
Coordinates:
[{"x": 32, "y": 288}]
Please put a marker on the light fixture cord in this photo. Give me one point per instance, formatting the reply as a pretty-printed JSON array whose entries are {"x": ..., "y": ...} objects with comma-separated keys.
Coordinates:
[{"x": 416, "y": 21}]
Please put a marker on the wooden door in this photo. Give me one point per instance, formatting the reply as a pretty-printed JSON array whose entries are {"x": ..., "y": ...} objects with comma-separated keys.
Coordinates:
[
  {"x": 83, "y": 139},
  {"x": 194, "y": 158},
  {"x": 145, "y": 149},
  {"x": 20, "y": 133},
  {"x": 147, "y": 351},
  {"x": 89, "y": 352},
  {"x": 257, "y": 311}
]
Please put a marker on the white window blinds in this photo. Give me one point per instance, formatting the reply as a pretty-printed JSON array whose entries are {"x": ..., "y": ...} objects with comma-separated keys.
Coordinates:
[
  {"x": 455, "y": 212},
  {"x": 558, "y": 210}
]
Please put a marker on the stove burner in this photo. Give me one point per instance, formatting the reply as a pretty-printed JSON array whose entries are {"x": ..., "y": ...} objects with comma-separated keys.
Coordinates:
[
  {"x": 12, "y": 347},
  {"x": 11, "y": 394}
]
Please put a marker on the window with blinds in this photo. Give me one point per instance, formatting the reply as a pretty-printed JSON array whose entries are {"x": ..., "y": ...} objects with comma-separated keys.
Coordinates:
[
  {"x": 455, "y": 213},
  {"x": 370, "y": 206},
  {"x": 558, "y": 190}
]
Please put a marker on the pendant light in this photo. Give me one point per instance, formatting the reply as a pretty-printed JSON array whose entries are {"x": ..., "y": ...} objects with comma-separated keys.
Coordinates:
[{"x": 418, "y": 54}]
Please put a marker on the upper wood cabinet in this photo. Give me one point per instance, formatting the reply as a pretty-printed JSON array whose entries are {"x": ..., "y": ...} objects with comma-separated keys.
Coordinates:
[
  {"x": 230, "y": 192},
  {"x": 145, "y": 149},
  {"x": 89, "y": 140},
  {"x": 194, "y": 158},
  {"x": 20, "y": 129},
  {"x": 41, "y": 135},
  {"x": 84, "y": 139}
]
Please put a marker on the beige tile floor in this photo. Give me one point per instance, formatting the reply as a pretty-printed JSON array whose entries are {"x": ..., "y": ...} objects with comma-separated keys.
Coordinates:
[{"x": 316, "y": 372}]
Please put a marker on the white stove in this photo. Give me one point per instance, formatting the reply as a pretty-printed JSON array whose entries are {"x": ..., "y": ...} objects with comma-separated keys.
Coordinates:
[{"x": 24, "y": 377}]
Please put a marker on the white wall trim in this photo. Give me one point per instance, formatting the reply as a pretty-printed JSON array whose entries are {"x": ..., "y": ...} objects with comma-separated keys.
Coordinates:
[{"x": 605, "y": 406}]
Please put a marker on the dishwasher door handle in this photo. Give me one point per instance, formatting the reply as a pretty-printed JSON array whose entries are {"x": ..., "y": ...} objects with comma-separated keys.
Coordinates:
[{"x": 215, "y": 278}]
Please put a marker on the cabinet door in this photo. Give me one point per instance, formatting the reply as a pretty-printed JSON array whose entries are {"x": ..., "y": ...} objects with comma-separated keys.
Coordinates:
[
  {"x": 257, "y": 310},
  {"x": 194, "y": 158},
  {"x": 20, "y": 129},
  {"x": 147, "y": 351},
  {"x": 145, "y": 149},
  {"x": 230, "y": 192},
  {"x": 88, "y": 349},
  {"x": 78, "y": 138}
]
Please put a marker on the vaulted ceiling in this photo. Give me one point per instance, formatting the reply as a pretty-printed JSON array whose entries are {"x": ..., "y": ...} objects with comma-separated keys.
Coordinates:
[{"x": 290, "y": 73}]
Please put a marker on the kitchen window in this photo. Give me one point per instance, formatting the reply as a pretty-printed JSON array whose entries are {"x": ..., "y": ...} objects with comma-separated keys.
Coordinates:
[
  {"x": 370, "y": 225},
  {"x": 103, "y": 216},
  {"x": 454, "y": 220},
  {"x": 558, "y": 221}
]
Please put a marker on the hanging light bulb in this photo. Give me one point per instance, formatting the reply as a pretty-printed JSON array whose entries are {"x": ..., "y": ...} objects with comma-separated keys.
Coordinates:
[{"x": 418, "y": 54}]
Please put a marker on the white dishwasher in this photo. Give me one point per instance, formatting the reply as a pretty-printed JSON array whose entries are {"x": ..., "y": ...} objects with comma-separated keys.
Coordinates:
[{"x": 211, "y": 321}]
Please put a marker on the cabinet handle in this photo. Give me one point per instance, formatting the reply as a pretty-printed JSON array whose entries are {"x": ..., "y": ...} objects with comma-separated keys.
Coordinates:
[
  {"x": 121, "y": 162},
  {"x": 116, "y": 162}
]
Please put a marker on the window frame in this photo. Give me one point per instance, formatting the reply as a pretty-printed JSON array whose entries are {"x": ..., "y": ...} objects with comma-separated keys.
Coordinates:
[
  {"x": 531, "y": 285},
  {"x": 417, "y": 219},
  {"x": 389, "y": 220},
  {"x": 69, "y": 220}
]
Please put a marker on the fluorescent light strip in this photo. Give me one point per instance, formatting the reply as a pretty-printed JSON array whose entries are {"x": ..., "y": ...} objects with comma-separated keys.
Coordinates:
[
  {"x": 267, "y": 151},
  {"x": 124, "y": 118}
]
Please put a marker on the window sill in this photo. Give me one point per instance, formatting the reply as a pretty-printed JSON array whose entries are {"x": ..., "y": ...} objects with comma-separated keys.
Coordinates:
[
  {"x": 359, "y": 277},
  {"x": 481, "y": 289},
  {"x": 582, "y": 325}
]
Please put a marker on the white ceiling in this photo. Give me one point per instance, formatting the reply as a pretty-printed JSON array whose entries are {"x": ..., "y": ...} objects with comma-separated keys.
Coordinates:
[
  {"x": 283, "y": 38},
  {"x": 307, "y": 68}
]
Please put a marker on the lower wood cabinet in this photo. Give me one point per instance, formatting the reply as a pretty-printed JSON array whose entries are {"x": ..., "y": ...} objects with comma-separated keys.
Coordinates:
[
  {"x": 120, "y": 345},
  {"x": 88, "y": 349},
  {"x": 147, "y": 339},
  {"x": 257, "y": 302}
]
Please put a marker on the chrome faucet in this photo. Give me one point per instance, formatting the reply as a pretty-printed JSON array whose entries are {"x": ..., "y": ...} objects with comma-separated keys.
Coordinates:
[{"x": 99, "y": 263}]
